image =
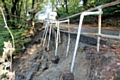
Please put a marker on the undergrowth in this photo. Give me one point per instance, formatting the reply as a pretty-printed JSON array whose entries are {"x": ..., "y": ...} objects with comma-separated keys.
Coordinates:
[
  {"x": 21, "y": 35},
  {"x": 6, "y": 72}
]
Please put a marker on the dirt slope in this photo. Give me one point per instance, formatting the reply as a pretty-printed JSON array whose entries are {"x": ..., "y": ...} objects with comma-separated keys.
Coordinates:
[{"x": 35, "y": 62}]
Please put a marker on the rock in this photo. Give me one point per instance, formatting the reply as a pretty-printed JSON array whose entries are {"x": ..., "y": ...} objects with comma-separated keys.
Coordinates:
[
  {"x": 44, "y": 67},
  {"x": 35, "y": 67},
  {"x": 29, "y": 76},
  {"x": 105, "y": 61},
  {"x": 33, "y": 58},
  {"x": 55, "y": 60},
  {"x": 23, "y": 71},
  {"x": 29, "y": 63},
  {"x": 19, "y": 77},
  {"x": 88, "y": 62},
  {"x": 114, "y": 46},
  {"x": 51, "y": 74},
  {"x": 68, "y": 76},
  {"x": 52, "y": 65}
]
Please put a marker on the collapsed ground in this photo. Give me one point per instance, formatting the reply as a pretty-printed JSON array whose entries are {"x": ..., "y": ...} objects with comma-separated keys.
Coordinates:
[{"x": 34, "y": 63}]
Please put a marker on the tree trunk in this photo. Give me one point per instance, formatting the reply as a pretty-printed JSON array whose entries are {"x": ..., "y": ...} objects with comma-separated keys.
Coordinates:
[
  {"x": 33, "y": 2},
  {"x": 66, "y": 7},
  {"x": 13, "y": 9},
  {"x": 6, "y": 9},
  {"x": 85, "y": 3}
]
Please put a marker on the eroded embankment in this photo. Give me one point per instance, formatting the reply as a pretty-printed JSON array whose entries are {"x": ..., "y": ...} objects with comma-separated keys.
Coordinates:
[{"x": 35, "y": 63}]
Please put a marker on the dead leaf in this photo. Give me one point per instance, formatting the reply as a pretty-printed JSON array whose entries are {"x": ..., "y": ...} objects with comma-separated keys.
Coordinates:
[
  {"x": 11, "y": 75},
  {"x": 7, "y": 44}
]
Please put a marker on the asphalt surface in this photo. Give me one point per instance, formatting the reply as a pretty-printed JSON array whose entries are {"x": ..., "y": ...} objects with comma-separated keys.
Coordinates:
[{"x": 88, "y": 29}]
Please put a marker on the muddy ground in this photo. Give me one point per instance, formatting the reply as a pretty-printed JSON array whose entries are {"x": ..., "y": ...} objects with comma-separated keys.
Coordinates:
[{"x": 35, "y": 62}]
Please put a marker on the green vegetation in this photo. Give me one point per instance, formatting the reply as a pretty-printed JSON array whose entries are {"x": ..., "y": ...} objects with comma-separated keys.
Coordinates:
[
  {"x": 74, "y": 8},
  {"x": 22, "y": 26},
  {"x": 109, "y": 12},
  {"x": 16, "y": 10}
]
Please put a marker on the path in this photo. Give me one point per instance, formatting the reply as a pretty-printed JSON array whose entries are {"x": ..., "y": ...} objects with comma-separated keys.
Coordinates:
[{"x": 91, "y": 29}]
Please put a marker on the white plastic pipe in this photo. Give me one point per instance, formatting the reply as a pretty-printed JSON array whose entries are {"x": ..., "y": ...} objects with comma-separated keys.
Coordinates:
[
  {"x": 57, "y": 38},
  {"x": 45, "y": 27},
  {"x": 49, "y": 35},
  {"x": 64, "y": 21},
  {"x": 77, "y": 41},
  {"x": 102, "y": 35},
  {"x": 59, "y": 26},
  {"x": 48, "y": 25},
  {"x": 68, "y": 45},
  {"x": 78, "y": 34},
  {"x": 99, "y": 30},
  {"x": 109, "y": 36},
  {"x": 46, "y": 30},
  {"x": 58, "y": 34},
  {"x": 92, "y": 13}
]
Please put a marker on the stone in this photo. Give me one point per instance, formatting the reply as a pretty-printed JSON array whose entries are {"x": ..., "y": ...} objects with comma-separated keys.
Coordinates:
[
  {"x": 33, "y": 58},
  {"x": 55, "y": 60},
  {"x": 29, "y": 76},
  {"x": 19, "y": 77},
  {"x": 50, "y": 74},
  {"x": 35, "y": 67},
  {"x": 44, "y": 67},
  {"x": 68, "y": 76}
]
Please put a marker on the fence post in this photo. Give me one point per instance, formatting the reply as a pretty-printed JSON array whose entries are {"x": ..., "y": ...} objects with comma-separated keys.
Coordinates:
[{"x": 99, "y": 29}]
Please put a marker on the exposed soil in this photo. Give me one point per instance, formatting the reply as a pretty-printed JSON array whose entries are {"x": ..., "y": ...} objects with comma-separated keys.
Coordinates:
[{"x": 35, "y": 62}]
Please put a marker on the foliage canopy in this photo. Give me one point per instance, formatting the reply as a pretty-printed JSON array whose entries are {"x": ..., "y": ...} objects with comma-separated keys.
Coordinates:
[{"x": 20, "y": 24}]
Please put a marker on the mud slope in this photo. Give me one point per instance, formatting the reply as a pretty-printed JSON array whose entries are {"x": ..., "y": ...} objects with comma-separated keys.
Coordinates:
[{"x": 35, "y": 62}]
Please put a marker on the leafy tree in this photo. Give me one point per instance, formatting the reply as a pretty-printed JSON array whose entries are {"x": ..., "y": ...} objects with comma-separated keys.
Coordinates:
[{"x": 15, "y": 12}]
